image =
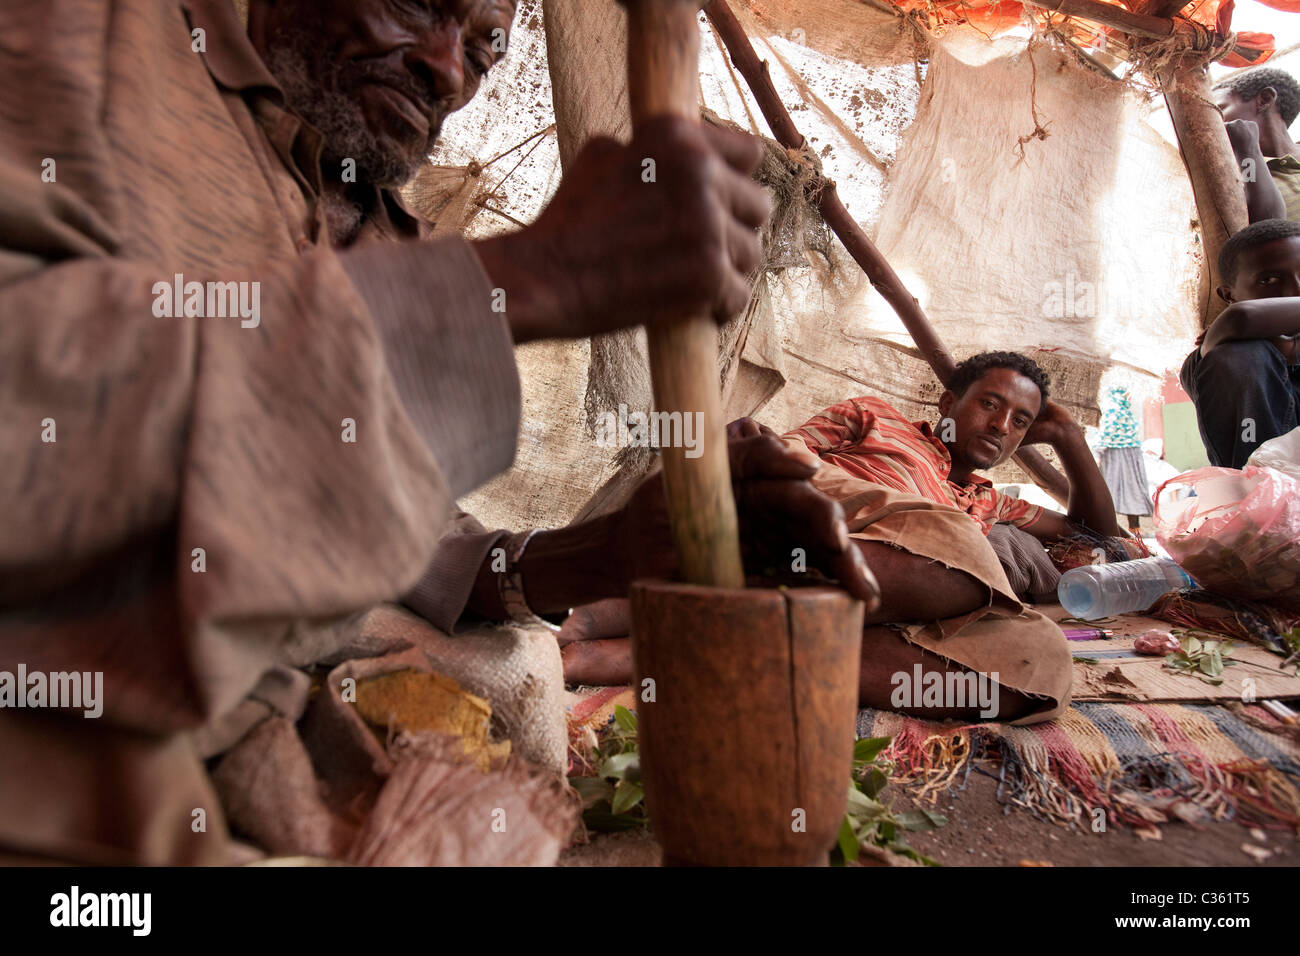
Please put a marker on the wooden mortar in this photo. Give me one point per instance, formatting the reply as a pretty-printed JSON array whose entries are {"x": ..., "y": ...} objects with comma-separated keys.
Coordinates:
[{"x": 746, "y": 705}]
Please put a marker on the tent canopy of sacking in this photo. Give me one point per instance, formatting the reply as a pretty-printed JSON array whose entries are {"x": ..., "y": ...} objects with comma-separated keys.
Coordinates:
[{"x": 1026, "y": 195}]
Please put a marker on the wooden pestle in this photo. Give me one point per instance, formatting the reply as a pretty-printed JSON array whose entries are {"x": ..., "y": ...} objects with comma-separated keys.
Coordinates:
[{"x": 663, "y": 69}]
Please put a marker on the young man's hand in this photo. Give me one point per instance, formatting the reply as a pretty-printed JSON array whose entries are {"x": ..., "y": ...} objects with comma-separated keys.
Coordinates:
[
  {"x": 1263, "y": 198},
  {"x": 1244, "y": 137},
  {"x": 1090, "y": 501},
  {"x": 654, "y": 230},
  {"x": 778, "y": 509},
  {"x": 1052, "y": 426}
]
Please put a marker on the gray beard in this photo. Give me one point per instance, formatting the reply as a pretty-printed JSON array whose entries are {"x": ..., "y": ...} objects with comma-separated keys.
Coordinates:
[
  {"x": 343, "y": 217},
  {"x": 337, "y": 117}
]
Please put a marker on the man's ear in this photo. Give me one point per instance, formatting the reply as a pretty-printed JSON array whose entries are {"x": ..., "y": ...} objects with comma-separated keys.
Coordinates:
[
  {"x": 1225, "y": 293},
  {"x": 945, "y": 402},
  {"x": 1265, "y": 99}
]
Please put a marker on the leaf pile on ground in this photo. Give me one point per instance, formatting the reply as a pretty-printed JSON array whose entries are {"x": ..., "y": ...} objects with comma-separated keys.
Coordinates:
[
  {"x": 1204, "y": 659},
  {"x": 613, "y": 797},
  {"x": 867, "y": 820}
]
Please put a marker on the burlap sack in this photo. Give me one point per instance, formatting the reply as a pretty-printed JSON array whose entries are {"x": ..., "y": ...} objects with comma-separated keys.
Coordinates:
[{"x": 516, "y": 669}]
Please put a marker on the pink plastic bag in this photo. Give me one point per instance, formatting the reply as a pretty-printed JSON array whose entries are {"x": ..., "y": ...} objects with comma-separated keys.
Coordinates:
[{"x": 1235, "y": 532}]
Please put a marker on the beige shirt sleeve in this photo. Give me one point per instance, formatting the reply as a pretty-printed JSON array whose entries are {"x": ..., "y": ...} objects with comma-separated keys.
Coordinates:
[
  {"x": 399, "y": 339},
  {"x": 441, "y": 594}
]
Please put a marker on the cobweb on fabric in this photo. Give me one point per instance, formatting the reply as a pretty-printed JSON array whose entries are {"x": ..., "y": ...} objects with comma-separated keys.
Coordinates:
[{"x": 498, "y": 124}]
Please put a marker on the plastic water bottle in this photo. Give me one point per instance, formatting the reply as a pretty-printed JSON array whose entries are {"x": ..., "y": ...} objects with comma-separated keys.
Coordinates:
[{"x": 1101, "y": 590}]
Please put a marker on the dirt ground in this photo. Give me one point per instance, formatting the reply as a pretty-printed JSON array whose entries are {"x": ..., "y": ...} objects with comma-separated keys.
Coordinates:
[{"x": 979, "y": 833}]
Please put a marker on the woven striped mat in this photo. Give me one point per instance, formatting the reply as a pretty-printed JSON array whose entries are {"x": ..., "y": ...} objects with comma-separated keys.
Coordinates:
[
  {"x": 1135, "y": 764},
  {"x": 1125, "y": 763}
]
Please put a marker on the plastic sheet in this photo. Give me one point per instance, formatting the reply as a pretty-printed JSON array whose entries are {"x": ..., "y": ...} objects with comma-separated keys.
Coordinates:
[{"x": 1236, "y": 533}]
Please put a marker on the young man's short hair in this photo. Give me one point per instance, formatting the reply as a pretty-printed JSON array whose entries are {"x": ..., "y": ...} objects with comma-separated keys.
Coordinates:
[
  {"x": 1256, "y": 234},
  {"x": 974, "y": 368},
  {"x": 1247, "y": 84}
]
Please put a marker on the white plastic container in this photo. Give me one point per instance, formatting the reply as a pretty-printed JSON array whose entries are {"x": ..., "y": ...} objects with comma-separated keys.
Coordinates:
[{"x": 1102, "y": 590}]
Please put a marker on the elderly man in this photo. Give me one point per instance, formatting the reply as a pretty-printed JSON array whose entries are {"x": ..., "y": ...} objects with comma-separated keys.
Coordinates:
[{"x": 233, "y": 414}]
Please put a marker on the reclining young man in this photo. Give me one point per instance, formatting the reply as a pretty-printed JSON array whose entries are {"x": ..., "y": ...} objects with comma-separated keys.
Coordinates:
[
  {"x": 919, "y": 515},
  {"x": 1244, "y": 376}
]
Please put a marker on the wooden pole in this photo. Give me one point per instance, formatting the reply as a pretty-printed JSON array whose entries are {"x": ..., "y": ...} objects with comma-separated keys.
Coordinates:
[
  {"x": 864, "y": 252},
  {"x": 1107, "y": 14},
  {"x": 662, "y": 62},
  {"x": 1211, "y": 166}
]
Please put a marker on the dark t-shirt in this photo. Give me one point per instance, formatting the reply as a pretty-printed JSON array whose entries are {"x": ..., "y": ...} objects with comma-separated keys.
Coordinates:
[{"x": 1248, "y": 396}]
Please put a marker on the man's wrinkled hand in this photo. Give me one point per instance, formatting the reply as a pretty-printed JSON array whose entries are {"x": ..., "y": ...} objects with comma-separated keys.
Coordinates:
[
  {"x": 655, "y": 230},
  {"x": 778, "y": 508}
]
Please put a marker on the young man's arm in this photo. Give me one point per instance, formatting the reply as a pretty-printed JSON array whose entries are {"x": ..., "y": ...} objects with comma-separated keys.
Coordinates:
[
  {"x": 1091, "y": 505},
  {"x": 1256, "y": 319},
  {"x": 1263, "y": 198},
  {"x": 840, "y": 426}
]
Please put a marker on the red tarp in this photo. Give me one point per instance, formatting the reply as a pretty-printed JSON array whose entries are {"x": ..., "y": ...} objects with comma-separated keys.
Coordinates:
[{"x": 1251, "y": 48}]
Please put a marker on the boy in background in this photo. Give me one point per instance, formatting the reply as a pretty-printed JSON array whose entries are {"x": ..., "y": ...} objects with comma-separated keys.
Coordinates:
[{"x": 1244, "y": 376}]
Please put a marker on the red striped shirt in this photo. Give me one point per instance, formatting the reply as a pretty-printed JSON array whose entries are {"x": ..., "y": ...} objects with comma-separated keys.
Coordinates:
[{"x": 869, "y": 439}]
